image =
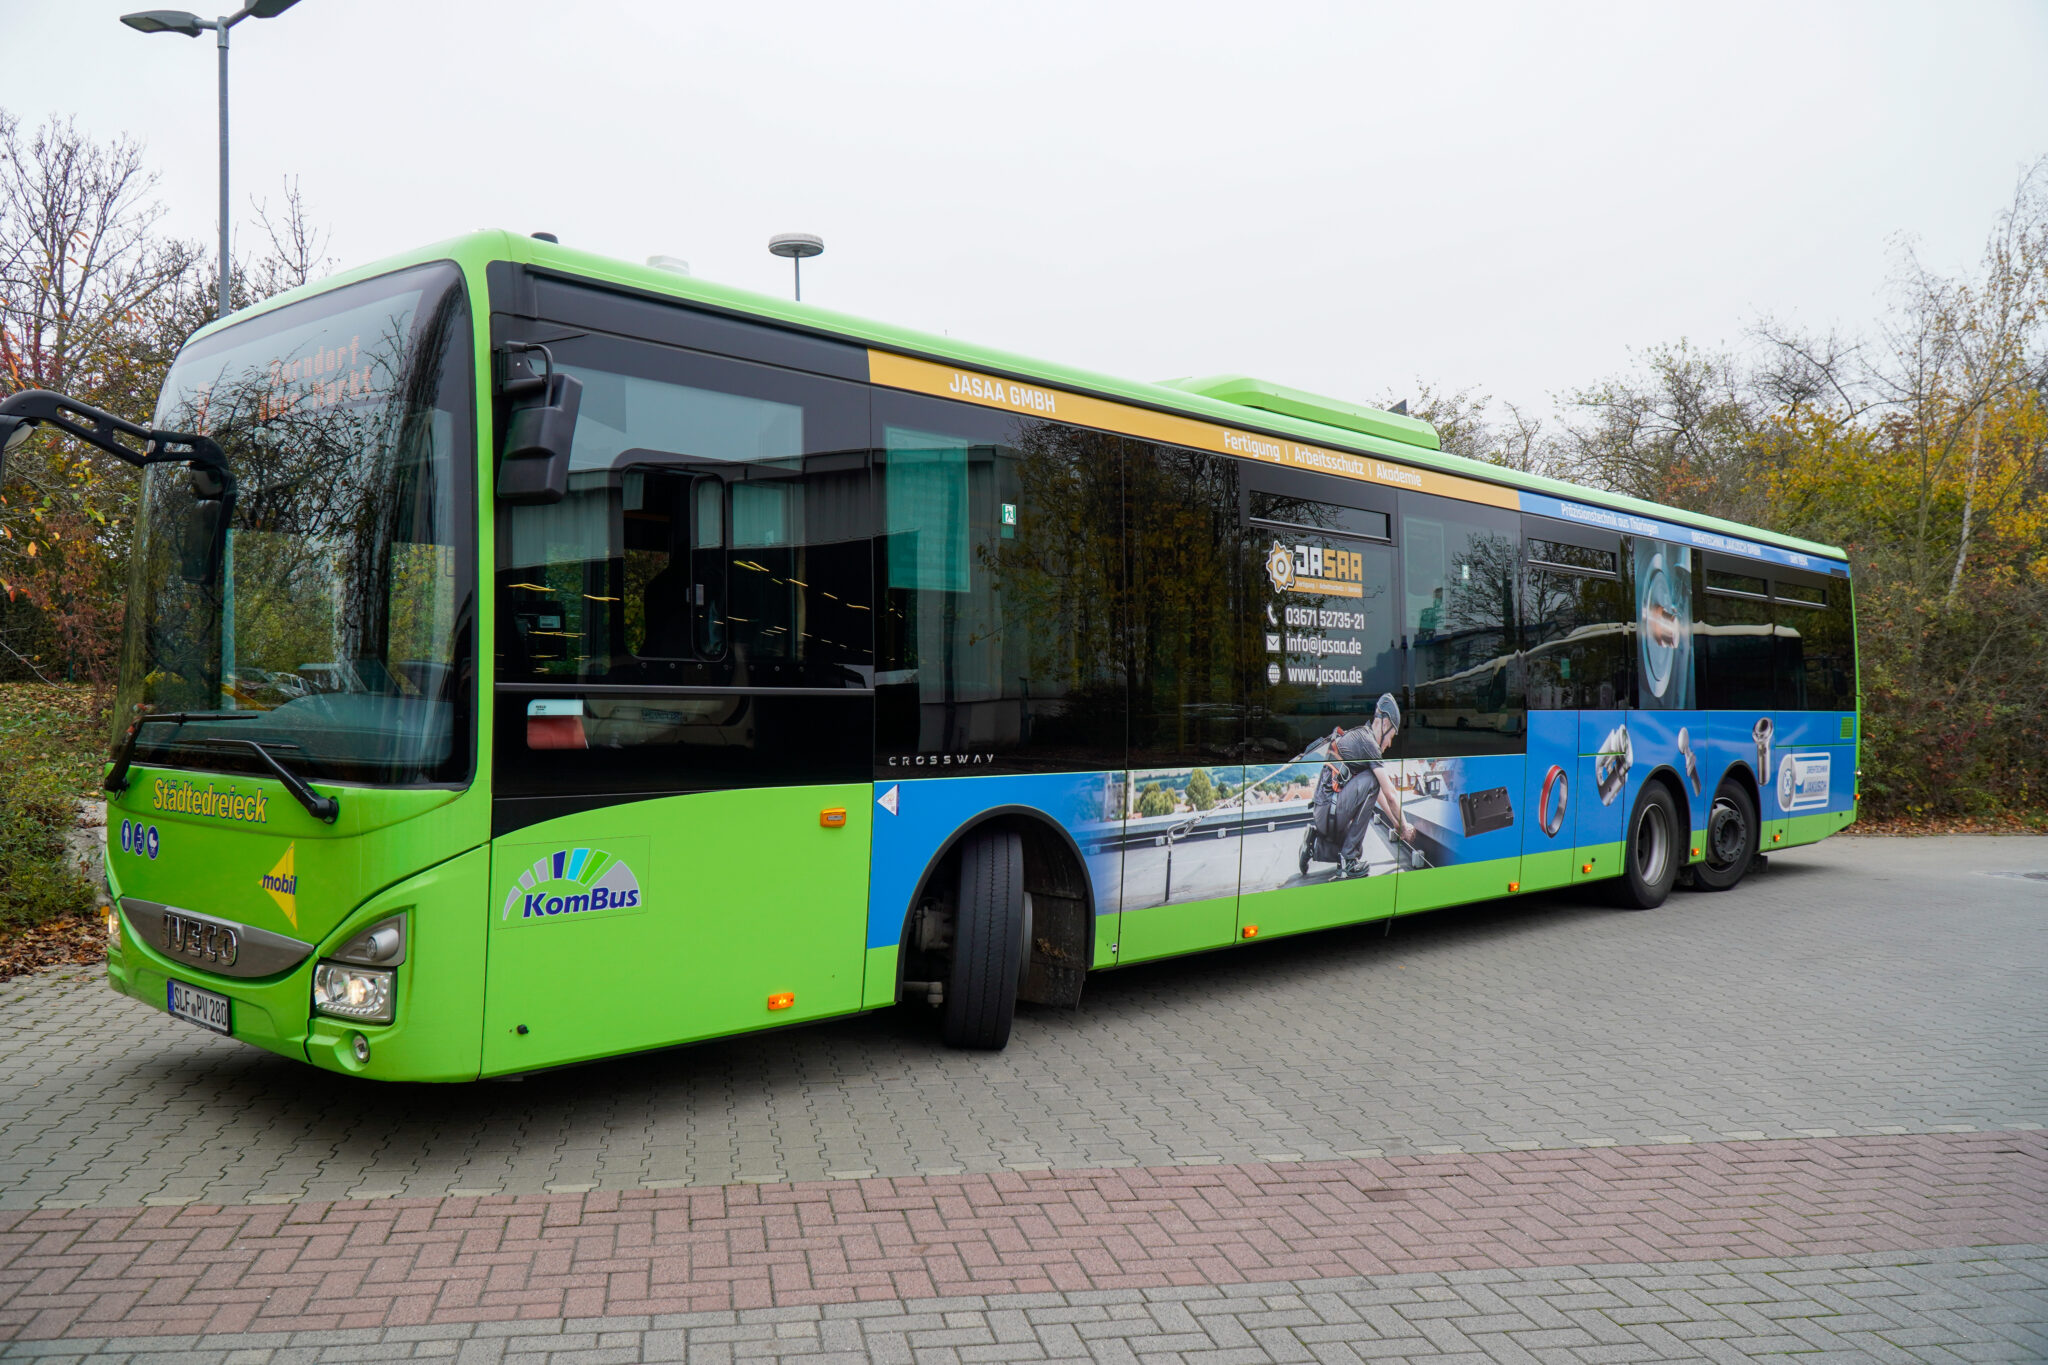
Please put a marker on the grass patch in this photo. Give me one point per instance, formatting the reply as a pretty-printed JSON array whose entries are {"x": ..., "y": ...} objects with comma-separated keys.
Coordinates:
[{"x": 52, "y": 741}]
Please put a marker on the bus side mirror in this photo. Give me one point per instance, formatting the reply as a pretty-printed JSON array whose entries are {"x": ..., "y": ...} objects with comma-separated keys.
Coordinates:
[
  {"x": 537, "y": 440},
  {"x": 13, "y": 431},
  {"x": 201, "y": 536}
]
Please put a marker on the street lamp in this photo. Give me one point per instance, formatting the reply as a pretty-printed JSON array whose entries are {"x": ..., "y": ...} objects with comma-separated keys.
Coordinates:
[
  {"x": 797, "y": 246},
  {"x": 191, "y": 25}
]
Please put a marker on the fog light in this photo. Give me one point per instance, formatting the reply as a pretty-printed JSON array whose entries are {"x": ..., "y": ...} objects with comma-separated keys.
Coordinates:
[
  {"x": 352, "y": 992},
  {"x": 362, "y": 1048},
  {"x": 113, "y": 930}
]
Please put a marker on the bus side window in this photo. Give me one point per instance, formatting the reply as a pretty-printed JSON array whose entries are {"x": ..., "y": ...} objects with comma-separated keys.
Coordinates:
[
  {"x": 1733, "y": 641},
  {"x": 1816, "y": 668},
  {"x": 672, "y": 537},
  {"x": 1459, "y": 567},
  {"x": 708, "y": 569},
  {"x": 1575, "y": 614}
]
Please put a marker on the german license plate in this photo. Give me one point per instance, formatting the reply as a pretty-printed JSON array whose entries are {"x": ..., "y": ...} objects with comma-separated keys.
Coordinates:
[{"x": 195, "y": 1006}]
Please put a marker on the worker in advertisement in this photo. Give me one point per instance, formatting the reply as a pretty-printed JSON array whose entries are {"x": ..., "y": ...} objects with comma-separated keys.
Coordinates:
[{"x": 1351, "y": 789}]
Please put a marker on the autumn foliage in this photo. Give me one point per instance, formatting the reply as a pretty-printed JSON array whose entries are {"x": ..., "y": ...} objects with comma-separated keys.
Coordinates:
[{"x": 1918, "y": 443}]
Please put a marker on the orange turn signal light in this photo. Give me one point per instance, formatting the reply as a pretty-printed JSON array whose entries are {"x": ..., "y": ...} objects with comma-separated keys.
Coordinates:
[
  {"x": 1514, "y": 886},
  {"x": 1251, "y": 931},
  {"x": 781, "y": 1000},
  {"x": 1776, "y": 837},
  {"x": 1586, "y": 868},
  {"x": 833, "y": 817}
]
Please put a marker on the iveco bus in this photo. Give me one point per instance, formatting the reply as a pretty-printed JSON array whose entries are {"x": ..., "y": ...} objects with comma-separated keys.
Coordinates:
[{"x": 532, "y": 657}]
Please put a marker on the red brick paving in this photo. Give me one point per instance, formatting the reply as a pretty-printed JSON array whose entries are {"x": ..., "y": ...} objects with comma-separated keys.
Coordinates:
[{"x": 390, "y": 1262}]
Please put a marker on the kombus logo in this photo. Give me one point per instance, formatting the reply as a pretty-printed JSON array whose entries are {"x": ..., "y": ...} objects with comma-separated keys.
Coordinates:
[{"x": 572, "y": 882}]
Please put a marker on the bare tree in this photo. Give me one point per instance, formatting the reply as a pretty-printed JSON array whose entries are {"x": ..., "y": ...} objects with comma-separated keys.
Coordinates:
[
  {"x": 1680, "y": 429},
  {"x": 79, "y": 255},
  {"x": 1954, "y": 361},
  {"x": 1465, "y": 425},
  {"x": 298, "y": 250}
]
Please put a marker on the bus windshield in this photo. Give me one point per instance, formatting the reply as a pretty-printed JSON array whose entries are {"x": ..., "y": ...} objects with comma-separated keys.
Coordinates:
[{"x": 336, "y": 599}]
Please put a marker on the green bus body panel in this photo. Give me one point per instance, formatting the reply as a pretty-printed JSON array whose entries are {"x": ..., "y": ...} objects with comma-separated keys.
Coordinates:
[
  {"x": 217, "y": 866},
  {"x": 1433, "y": 888},
  {"x": 440, "y": 985},
  {"x": 1596, "y": 862},
  {"x": 1177, "y": 927},
  {"x": 879, "y": 986},
  {"x": 742, "y": 895},
  {"x": 1298, "y": 909},
  {"x": 1810, "y": 829},
  {"x": 1547, "y": 870}
]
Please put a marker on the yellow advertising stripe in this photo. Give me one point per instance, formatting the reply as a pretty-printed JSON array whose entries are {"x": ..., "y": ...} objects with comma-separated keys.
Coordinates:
[{"x": 1031, "y": 400}]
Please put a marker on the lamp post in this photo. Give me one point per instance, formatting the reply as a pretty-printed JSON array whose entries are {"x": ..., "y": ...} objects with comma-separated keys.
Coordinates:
[
  {"x": 191, "y": 25},
  {"x": 798, "y": 246}
]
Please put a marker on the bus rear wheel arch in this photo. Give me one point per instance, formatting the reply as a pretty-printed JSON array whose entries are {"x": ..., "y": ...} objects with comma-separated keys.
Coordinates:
[{"x": 1002, "y": 914}]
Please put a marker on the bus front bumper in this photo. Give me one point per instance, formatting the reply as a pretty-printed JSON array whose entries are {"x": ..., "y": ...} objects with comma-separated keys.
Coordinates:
[{"x": 435, "y": 1034}]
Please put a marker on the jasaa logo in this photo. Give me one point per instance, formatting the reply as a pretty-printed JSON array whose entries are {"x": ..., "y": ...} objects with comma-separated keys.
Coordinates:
[
  {"x": 572, "y": 883},
  {"x": 1280, "y": 567}
]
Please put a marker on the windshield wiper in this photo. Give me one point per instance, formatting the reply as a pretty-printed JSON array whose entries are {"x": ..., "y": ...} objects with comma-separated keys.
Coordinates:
[
  {"x": 322, "y": 808},
  {"x": 117, "y": 780}
]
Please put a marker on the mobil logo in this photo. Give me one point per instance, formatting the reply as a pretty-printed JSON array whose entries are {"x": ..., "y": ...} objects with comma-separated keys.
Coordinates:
[{"x": 572, "y": 883}]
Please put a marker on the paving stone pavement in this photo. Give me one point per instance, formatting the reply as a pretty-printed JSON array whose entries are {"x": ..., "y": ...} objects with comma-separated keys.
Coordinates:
[
  {"x": 1949, "y": 1306},
  {"x": 1859, "y": 986},
  {"x": 406, "y": 1262}
]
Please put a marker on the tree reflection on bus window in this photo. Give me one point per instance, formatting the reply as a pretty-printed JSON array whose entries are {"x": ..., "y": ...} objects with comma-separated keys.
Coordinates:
[{"x": 1459, "y": 564}]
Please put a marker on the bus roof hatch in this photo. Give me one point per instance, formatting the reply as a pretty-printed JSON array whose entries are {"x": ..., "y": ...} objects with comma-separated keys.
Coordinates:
[{"x": 1247, "y": 392}]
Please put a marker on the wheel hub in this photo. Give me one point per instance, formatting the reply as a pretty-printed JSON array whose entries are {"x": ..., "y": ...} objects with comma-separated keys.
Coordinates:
[
  {"x": 1726, "y": 836},
  {"x": 1652, "y": 839}
]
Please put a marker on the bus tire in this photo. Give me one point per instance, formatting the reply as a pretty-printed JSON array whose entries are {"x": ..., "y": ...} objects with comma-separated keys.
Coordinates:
[
  {"x": 1731, "y": 839},
  {"x": 988, "y": 942},
  {"x": 1649, "y": 850}
]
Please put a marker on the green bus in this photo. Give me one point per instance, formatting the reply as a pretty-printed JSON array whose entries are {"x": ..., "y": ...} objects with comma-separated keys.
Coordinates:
[{"x": 532, "y": 657}]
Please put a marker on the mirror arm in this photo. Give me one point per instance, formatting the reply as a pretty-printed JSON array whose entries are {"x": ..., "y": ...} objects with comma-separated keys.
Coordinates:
[
  {"x": 521, "y": 386},
  {"x": 40, "y": 407}
]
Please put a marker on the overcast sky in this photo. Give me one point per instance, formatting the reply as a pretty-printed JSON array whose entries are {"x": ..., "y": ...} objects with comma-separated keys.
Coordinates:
[{"x": 1339, "y": 197}]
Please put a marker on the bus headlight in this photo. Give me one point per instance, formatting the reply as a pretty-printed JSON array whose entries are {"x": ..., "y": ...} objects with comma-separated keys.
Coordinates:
[
  {"x": 359, "y": 993},
  {"x": 380, "y": 945}
]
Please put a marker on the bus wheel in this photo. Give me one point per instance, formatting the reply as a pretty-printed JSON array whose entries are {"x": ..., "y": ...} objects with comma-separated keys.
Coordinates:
[
  {"x": 988, "y": 943},
  {"x": 1649, "y": 863},
  {"x": 1731, "y": 839}
]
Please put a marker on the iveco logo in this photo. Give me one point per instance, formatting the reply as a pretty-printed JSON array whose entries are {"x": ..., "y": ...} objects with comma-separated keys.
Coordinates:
[{"x": 197, "y": 938}]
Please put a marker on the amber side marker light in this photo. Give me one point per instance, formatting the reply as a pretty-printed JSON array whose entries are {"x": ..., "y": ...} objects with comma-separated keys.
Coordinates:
[
  {"x": 832, "y": 818},
  {"x": 781, "y": 1000},
  {"x": 1588, "y": 867},
  {"x": 1251, "y": 931}
]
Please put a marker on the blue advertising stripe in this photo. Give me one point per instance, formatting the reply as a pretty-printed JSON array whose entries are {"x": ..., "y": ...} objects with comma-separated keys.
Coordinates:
[
  {"x": 915, "y": 817},
  {"x": 1630, "y": 523}
]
